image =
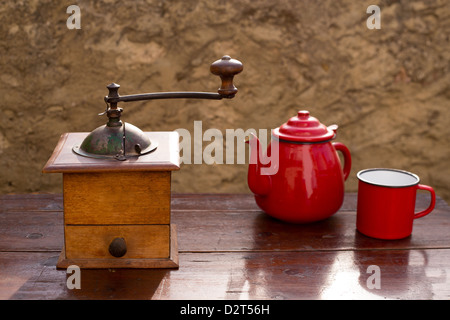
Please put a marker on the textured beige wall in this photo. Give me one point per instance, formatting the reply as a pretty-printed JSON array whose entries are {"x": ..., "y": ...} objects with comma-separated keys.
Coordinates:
[{"x": 387, "y": 89}]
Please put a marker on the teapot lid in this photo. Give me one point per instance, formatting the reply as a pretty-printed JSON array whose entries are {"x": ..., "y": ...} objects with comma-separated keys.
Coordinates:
[{"x": 304, "y": 128}]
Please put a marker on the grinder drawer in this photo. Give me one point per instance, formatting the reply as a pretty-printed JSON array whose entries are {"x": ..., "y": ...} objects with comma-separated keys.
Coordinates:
[{"x": 117, "y": 241}]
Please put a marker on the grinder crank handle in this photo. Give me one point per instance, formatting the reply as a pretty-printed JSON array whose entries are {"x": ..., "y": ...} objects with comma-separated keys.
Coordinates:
[{"x": 226, "y": 68}]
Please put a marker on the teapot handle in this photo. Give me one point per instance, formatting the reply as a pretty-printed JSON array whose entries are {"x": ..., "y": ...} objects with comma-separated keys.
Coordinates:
[{"x": 347, "y": 158}]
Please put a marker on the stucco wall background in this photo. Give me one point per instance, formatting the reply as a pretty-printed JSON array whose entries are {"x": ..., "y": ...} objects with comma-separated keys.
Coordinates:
[{"x": 387, "y": 89}]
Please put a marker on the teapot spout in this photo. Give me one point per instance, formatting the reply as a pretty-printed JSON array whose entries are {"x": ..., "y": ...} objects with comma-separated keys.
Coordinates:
[{"x": 259, "y": 184}]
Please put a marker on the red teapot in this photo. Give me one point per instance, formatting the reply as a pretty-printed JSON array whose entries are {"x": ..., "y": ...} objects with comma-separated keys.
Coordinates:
[{"x": 304, "y": 180}]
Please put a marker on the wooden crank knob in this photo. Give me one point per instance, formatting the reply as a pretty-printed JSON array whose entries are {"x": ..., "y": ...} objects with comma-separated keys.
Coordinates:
[
  {"x": 118, "y": 247},
  {"x": 227, "y": 68}
]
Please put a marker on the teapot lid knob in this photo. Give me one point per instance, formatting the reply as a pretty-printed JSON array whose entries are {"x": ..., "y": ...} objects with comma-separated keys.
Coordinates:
[{"x": 303, "y": 114}]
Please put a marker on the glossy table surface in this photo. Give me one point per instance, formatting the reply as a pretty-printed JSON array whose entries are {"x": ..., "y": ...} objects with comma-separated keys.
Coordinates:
[{"x": 229, "y": 249}]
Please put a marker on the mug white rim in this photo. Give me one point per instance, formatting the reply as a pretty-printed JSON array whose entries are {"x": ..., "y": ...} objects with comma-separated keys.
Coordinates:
[{"x": 416, "y": 177}]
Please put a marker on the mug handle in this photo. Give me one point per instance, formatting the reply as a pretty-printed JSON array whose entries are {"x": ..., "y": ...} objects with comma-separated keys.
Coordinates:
[
  {"x": 347, "y": 158},
  {"x": 432, "y": 204}
]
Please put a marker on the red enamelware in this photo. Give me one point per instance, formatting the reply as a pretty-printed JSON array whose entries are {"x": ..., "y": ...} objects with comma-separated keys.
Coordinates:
[
  {"x": 386, "y": 203},
  {"x": 308, "y": 184}
]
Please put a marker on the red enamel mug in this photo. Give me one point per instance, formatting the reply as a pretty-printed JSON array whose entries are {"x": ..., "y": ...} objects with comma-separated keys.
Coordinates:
[{"x": 386, "y": 203}]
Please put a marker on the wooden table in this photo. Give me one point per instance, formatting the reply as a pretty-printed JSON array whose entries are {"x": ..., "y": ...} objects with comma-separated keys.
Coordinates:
[{"x": 229, "y": 249}]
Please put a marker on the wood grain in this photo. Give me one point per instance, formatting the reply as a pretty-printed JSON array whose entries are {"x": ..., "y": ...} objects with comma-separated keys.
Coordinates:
[
  {"x": 142, "y": 241},
  {"x": 166, "y": 157},
  {"x": 219, "y": 224},
  {"x": 228, "y": 249},
  {"x": 104, "y": 197},
  {"x": 166, "y": 262},
  {"x": 405, "y": 274}
]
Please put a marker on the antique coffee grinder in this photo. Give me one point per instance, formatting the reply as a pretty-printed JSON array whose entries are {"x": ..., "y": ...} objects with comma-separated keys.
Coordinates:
[{"x": 117, "y": 185}]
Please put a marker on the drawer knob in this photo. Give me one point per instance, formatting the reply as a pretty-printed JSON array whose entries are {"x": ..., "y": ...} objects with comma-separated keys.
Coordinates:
[{"x": 118, "y": 247}]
